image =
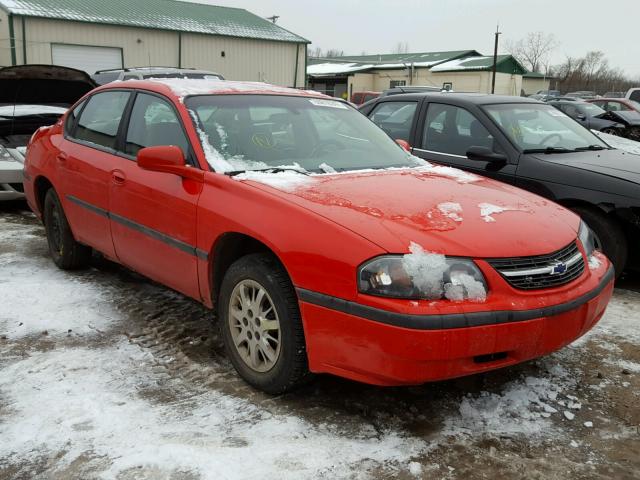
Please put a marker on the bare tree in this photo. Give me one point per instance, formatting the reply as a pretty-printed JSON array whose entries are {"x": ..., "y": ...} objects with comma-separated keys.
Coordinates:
[
  {"x": 315, "y": 52},
  {"x": 591, "y": 72},
  {"x": 401, "y": 47},
  {"x": 334, "y": 52},
  {"x": 533, "y": 51}
]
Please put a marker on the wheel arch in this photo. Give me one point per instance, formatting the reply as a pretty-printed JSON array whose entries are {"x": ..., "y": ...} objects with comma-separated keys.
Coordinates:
[
  {"x": 41, "y": 186},
  {"x": 229, "y": 247}
]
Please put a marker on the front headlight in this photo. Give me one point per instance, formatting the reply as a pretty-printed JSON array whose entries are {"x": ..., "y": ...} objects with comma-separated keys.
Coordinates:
[
  {"x": 587, "y": 238},
  {"x": 422, "y": 275}
]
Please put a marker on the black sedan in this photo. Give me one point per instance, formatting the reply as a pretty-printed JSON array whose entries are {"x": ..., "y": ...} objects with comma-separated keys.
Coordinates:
[
  {"x": 624, "y": 124},
  {"x": 528, "y": 144}
]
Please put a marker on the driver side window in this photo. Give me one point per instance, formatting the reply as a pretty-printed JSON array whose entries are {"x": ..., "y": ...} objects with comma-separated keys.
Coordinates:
[{"x": 453, "y": 130}]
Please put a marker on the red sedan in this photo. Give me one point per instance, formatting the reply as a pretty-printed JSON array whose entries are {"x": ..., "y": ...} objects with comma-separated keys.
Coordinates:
[
  {"x": 616, "y": 104},
  {"x": 323, "y": 245}
]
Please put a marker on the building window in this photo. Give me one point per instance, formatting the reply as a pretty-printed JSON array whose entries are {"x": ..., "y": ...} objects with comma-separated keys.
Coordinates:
[{"x": 397, "y": 83}]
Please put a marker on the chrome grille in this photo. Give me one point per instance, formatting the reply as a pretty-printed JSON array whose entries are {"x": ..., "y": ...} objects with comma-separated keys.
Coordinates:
[{"x": 541, "y": 271}]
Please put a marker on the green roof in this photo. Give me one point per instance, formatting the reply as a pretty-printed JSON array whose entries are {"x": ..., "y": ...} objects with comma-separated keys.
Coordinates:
[
  {"x": 158, "y": 14},
  {"x": 504, "y": 64},
  {"x": 432, "y": 58},
  {"x": 536, "y": 75}
]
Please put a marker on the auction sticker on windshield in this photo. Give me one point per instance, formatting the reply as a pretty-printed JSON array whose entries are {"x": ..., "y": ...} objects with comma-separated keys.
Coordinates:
[{"x": 319, "y": 102}]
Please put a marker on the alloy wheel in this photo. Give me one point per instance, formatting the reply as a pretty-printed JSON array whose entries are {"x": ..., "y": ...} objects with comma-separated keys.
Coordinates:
[{"x": 254, "y": 326}]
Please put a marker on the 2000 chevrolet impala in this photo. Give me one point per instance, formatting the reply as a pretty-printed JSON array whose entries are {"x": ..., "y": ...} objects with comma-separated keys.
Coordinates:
[{"x": 323, "y": 245}]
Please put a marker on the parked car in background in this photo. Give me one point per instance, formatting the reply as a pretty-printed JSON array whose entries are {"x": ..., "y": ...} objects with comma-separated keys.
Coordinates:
[
  {"x": 409, "y": 89},
  {"x": 31, "y": 96},
  {"x": 613, "y": 95},
  {"x": 102, "y": 77},
  {"x": 531, "y": 145},
  {"x": 383, "y": 279},
  {"x": 633, "y": 94},
  {"x": 358, "y": 98},
  {"x": 616, "y": 104},
  {"x": 545, "y": 94},
  {"x": 582, "y": 94},
  {"x": 620, "y": 123}
]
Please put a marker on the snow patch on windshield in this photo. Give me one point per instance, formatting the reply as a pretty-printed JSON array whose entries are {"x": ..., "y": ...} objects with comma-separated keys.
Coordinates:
[
  {"x": 287, "y": 180},
  {"x": 215, "y": 159},
  {"x": 488, "y": 209},
  {"x": 621, "y": 143},
  {"x": 451, "y": 210},
  {"x": 327, "y": 168}
]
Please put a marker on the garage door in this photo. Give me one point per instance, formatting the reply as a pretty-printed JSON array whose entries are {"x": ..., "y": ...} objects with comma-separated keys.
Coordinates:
[{"x": 89, "y": 59}]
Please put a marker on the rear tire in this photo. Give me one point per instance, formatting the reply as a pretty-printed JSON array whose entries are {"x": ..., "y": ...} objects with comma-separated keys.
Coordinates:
[
  {"x": 67, "y": 254},
  {"x": 610, "y": 235},
  {"x": 263, "y": 334}
]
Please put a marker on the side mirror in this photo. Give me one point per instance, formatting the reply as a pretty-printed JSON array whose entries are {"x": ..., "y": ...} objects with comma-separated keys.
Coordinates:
[
  {"x": 404, "y": 144},
  {"x": 167, "y": 159},
  {"x": 485, "y": 154},
  {"x": 581, "y": 117}
]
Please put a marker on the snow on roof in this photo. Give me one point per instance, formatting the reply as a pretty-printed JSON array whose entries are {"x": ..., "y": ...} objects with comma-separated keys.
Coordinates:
[
  {"x": 336, "y": 68},
  {"x": 183, "y": 87},
  {"x": 159, "y": 14},
  {"x": 462, "y": 64}
]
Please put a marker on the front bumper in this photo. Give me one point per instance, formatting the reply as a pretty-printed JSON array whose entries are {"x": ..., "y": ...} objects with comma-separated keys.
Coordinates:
[
  {"x": 388, "y": 348},
  {"x": 11, "y": 177}
]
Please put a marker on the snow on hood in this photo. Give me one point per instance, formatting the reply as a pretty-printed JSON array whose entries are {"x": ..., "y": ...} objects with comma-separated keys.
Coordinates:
[
  {"x": 620, "y": 143},
  {"x": 436, "y": 207}
]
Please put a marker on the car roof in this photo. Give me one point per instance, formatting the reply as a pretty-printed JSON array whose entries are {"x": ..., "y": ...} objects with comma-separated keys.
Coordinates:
[
  {"x": 183, "y": 87},
  {"x": 453, "y": 97}
]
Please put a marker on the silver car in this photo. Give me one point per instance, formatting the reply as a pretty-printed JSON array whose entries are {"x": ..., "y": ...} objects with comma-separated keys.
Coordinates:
[{"x": 31, "y": 96}]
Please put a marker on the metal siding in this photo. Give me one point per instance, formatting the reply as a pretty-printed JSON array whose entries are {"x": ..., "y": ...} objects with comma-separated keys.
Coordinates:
[
  {"x": 5, "y": 46},
  {"x": 252, "y": 60},
  {"x": 155, "y": 47}
]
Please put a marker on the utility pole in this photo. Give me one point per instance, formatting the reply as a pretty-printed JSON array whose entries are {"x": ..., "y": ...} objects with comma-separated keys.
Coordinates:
[
  {"x": 495, "y": 59},
  {"x": 273, "y": 18}
]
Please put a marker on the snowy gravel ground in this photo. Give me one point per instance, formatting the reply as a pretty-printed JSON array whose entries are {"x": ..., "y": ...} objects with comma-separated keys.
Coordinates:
[{"x": 104, "y": 374}]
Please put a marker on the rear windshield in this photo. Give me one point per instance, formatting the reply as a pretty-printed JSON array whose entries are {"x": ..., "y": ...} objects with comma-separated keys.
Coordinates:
[{"x": 106, "y": 77}]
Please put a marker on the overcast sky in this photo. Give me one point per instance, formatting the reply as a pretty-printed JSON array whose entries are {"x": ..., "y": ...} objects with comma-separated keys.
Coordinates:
[{"x": 376, "y": 26}]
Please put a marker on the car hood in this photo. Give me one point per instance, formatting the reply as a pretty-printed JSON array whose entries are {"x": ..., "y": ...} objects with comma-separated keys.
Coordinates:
[
  {"x": 613, "y": 163},
  {"x": 627, "y": 117},
  {"x": 43, "y": 84},
  {"x": 443, "y": 209}
]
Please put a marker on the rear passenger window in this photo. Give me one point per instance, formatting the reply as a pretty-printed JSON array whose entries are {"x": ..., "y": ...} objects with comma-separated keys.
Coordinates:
[
  {"x": 71, "y": 119},
  {"x": 154, "y": 123},
  {"x": 101, "y": 117},
  {"x": 395, "y": 118}
]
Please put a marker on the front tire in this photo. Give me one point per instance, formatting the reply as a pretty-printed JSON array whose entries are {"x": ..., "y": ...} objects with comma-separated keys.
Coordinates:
[
  {"x": 261, "y": 326},
  {"x": 67, "y": 254},
  {"x": 609, "y": 234}
]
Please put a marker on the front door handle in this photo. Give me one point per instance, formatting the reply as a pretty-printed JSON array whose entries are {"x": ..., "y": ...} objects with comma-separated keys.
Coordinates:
[{"x": 118, "y": 177}]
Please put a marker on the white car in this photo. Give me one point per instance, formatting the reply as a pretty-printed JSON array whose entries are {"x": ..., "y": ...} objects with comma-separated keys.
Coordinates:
[{"x": 31, "y": 96}]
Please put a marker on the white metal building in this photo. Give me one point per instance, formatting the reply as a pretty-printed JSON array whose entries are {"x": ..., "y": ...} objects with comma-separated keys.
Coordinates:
[{"x": 100, "y": 34}]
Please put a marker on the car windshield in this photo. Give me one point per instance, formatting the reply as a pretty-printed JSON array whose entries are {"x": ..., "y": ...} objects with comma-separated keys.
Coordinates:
[
  {"x": 634, "y": 104},
  {"x": 542, "y": 127},
  {"x": 254, "y": 132},
  {"x": 590, "y": 109}
]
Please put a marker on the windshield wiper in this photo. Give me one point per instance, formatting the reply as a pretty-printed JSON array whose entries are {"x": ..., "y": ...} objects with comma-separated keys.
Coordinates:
[
  {"x": 269, "y": 170},
  {"x": 590, "y": 147},
  {"x": 548, "y": 150}
]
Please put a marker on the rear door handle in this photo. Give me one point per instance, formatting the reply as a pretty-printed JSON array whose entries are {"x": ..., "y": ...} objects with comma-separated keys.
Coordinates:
[
  {"x": 62, "y": 158},
  {"x": 118, "y": 177}
]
